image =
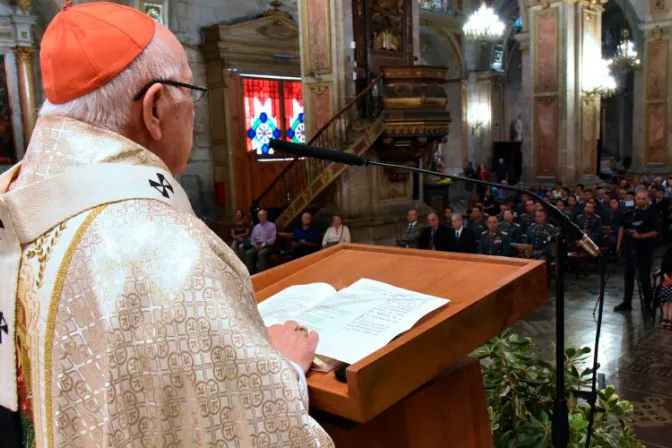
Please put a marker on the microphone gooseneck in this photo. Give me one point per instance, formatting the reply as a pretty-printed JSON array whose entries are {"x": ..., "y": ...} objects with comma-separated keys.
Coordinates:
[{"x": 568, "y": 226}]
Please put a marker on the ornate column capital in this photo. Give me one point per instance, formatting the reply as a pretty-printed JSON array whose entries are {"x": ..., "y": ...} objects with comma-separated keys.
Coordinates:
[
  {"x": 24, "y": 54},
  {"x": 656, "y": 30},
  {"x": 24, "y": 5},
  {"x": 524, "y": 41}
]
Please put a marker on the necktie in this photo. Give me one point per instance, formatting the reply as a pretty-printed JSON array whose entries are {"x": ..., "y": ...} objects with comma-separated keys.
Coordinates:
[
  {"x": 433, "y": 234},
  {"x": 457, "y": 234},
  {"x": 410, "y": 226}
]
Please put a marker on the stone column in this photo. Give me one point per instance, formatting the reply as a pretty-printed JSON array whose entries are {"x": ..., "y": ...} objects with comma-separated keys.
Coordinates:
[
  {"x": 326, "y": 59},
  {"x": 565, "y": 37},
  {"x": 652, "y": 103},
  {"x": 526, "y": 110},
  {"x": 24, "y": 58}
]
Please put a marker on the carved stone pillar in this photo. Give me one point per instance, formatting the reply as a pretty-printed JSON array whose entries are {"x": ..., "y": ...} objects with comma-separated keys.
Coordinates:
[
  {"x": 526, "y": 115},
  {"x": 565, "y": 37},
  {"x": 24, "y": 57},
  {"x": 652, "y": 106}
]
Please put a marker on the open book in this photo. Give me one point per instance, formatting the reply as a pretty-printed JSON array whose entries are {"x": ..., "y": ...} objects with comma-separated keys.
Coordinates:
[{"x": 353, "y": 322}]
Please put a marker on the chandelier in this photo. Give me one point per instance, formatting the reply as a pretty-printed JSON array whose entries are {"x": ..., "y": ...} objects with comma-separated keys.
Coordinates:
[
  {"x": 597, "y": 79},
  {"x": 484, "y": 25},
  {"x": 626, "y": 57}
]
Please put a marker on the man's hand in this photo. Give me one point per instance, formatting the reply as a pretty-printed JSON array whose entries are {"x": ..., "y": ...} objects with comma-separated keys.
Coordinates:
[
  {"x": 293, "y": 344},
  {"x": 258, "y": 246},
  {"x": 635, "y": 235}
]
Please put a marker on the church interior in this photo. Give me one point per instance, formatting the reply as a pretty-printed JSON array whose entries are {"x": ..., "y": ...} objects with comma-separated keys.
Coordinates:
[{"x": 545, "y": 95}]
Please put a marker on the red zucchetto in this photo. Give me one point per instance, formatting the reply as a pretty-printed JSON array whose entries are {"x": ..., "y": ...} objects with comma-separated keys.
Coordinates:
[{"x": 87, "y": 45}]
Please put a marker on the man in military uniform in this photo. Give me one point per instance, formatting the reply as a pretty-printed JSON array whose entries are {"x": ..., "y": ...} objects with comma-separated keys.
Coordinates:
[
  {"x": 540, "y": 236},
  {"x": 493, "y": 240},
  {"x": 476, "y": 223},
  {"x": 637, "y": 237},
  {"x": 590, "y": 222},
  {"x": 527, "y": 218},
  {"x": 612, "y": 219},
  {"x": 513, "y": 229}
]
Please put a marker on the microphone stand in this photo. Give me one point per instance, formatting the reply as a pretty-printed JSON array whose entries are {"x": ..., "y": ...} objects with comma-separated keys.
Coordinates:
[{"x": 560, "y": 420}]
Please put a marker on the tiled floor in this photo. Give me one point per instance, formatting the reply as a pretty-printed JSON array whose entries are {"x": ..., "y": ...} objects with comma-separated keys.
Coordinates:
[{"x": 636, "y": 356}]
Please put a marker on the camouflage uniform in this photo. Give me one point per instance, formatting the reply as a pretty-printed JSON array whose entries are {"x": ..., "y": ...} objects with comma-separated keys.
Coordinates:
[
  {"x": 591, "y": 225},
  {"x": 540, "y": 237},
  {"x": 514, "y": 230},
  {"x": 494, "y": 243}
]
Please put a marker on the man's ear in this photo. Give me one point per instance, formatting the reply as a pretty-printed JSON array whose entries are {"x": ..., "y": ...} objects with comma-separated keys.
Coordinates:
[{"x": 152, "y": 109}]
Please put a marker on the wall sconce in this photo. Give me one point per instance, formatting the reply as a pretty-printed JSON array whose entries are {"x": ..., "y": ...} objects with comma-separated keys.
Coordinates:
[{"x": 478, "y": 116}]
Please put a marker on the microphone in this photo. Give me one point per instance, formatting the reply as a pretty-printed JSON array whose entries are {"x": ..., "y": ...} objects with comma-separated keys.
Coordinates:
[
  {"x": 567, "y": 225},
  {"x": 315, "y": 152}
]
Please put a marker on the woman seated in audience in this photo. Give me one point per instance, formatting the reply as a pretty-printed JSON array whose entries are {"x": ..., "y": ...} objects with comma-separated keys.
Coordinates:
[
  {"x": 337, "y": 233},
  {"x": 665, "y": 292},
  {"x": 240, "y": 233}
]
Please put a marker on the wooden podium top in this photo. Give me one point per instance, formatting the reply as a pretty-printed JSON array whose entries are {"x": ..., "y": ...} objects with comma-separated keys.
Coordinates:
[{"x": 487, "y": 294}]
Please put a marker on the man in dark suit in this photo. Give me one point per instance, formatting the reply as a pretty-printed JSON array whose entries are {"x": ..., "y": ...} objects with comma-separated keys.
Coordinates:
[
  {"x": 435, "y": 236},
  {"x": 462, "y": 239},
  {"x": 412, "y": 233}
]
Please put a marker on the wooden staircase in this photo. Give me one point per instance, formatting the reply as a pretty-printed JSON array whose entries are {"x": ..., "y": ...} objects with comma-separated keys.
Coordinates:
[{"x": 355, "y": 128}]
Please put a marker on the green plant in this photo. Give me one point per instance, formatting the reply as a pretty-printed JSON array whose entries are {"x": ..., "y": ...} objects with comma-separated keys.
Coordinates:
[{"x": 520, "y": 388}]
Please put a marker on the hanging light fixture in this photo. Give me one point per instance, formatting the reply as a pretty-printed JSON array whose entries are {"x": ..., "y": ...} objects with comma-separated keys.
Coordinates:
[
  {"x": 601, "y": 81},
  {"x": 626, "y": 57},
  {"x": 484, "y": 25}
]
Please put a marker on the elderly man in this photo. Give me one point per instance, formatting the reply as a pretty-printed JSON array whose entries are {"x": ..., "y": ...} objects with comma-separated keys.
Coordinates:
[
  {"x": 125, "y": 320},
  {"x": 262, "y": 240}
]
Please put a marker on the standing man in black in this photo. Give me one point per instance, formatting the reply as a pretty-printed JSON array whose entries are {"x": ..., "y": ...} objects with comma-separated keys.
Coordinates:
[
  {"x": 463, "y": 239},
  {"x": 637, "y": 237},
  {"x": 435, "y": 236},
  {"x": 500, "y": 171}
]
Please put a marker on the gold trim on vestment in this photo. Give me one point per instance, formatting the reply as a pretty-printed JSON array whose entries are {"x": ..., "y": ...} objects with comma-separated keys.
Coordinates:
[{"x": 51, "y": 316}]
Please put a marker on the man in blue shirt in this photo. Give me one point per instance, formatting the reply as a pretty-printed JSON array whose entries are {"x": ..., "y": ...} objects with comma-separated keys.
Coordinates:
[{"x": 306, "y": 239}]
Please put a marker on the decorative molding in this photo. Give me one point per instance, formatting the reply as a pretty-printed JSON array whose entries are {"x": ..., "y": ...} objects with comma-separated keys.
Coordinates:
[
  {"x": 24, "y": 54},
  {"x": 657, "y": 69},
  {"x": 656, "y": 134},
  {"x": 316, "y": 37},
  {"x": 546, "y": 51},
  {"x": 24, "y": 5},
  {"x": 546, "y": 114}
]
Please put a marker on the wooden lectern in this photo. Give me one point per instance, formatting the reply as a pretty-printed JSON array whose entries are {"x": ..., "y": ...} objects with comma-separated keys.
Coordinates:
[{"x": 422, "y": 389}]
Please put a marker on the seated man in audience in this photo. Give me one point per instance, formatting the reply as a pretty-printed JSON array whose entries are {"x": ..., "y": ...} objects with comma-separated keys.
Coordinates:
[
  {"x": 662, "y": 206},
  {"x": 447, "y": 216},
  {"x": 412, "y": 233},
  {"x": 571, "y": 210},
  {"x": 540, "y": 236},
  {"x": 435, "y": 236},
  {"x": 494, "y": 241},
  {"x": 476, "y": 224},
  {"x": 306, "y": 238},
  {"x": 520, "y": 206},
  {"x": 262, "y": 240},
  {"x": 462, "y": 239},
  {"x": 512, "y": 229},
  {"x": 527, "y": 219},
  {"x": 590, "y": 223}
]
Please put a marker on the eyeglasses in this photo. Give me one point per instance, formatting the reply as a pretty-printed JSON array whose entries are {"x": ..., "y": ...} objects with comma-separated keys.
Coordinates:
[{"x": 197, "y": 92}]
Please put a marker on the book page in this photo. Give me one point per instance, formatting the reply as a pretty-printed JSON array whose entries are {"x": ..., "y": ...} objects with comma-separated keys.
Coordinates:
[
  {"x": 364, "y": 317},
  {"x": 289, "y": 303}
]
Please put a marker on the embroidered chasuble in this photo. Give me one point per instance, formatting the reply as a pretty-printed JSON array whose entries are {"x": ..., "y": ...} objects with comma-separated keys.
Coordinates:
[{"x": 132, "y": 324}]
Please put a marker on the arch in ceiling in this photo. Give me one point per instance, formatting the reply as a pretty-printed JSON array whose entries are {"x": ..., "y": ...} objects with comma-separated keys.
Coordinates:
[{"x": 453, "y": 41}]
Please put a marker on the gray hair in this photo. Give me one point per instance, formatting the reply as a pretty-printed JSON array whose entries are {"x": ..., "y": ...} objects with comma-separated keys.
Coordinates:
[{"x": 109, "y": 105}]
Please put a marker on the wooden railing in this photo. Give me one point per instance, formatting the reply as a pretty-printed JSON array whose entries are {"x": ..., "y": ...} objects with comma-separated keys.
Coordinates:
[{"x": 335, "y": 134}]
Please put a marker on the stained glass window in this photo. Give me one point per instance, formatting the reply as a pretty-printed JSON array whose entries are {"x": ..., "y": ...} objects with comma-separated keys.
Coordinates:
[
  {"x": 273, "y": 109},
  {"x": 7, "y": 154}
]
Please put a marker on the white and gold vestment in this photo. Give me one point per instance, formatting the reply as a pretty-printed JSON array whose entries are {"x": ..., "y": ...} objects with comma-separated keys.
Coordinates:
[{"x": 135, "y": 325}]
